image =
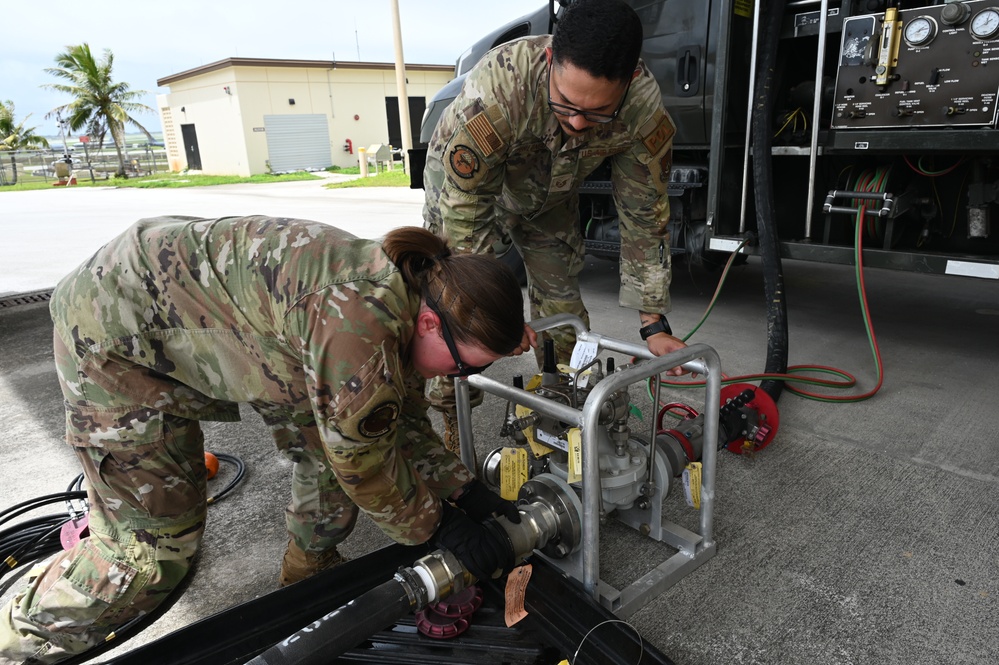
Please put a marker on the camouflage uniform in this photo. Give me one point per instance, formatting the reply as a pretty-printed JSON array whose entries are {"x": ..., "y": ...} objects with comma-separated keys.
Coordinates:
[
  {"x": 499, "y": 161},
  {"x": 177, "y": 321}
]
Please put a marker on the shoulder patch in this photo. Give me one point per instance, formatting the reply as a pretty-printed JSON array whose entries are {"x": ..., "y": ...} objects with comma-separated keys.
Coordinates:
[
  {"x": 660, "y": 168},
  {"x": 484, "y": 134},
  {"x": 464, "y": 161},
  {"x": 659, "y": 133},
  {"x": 379, "y": 420},
  {"x": 367, "y": 405}
]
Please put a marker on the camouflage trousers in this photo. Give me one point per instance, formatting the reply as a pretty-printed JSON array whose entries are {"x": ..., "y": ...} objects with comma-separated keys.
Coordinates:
[
  {"x": 553, "y": 252},
  {"x": 145, "y": 477},
  {"x": 146, "y": 484}
]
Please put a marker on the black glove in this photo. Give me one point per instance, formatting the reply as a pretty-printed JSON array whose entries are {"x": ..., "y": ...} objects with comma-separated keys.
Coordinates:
[
  {"x": 480, "y": 502},
  {"x": 478, "y": 548}
]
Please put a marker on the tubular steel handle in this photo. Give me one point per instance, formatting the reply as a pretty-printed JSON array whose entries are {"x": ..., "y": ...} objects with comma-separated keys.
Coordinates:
[{"x": 886, "y": 209}]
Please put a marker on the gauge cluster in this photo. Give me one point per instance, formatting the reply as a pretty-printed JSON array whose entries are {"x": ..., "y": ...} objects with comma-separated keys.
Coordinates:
[{"x": 941, "y": 69}]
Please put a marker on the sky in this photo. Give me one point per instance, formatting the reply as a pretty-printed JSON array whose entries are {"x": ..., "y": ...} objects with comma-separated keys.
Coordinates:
[{"x": 152, "y": 40}]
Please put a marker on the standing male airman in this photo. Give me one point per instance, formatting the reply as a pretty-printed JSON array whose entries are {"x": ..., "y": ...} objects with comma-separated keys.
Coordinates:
[{"x": 533, "y": 119}]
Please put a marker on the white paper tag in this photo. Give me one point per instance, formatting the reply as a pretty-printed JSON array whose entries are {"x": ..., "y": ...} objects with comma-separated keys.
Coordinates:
[{"x": 583, "y": 354}]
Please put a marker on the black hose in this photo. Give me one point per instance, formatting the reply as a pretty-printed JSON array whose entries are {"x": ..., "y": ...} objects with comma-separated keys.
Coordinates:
[
  {"x": 329, "y": 637},
  {"x": 236, "y": 480},
  {"x": 773, "y": 275},
  {"x": 35, "y": 538}
]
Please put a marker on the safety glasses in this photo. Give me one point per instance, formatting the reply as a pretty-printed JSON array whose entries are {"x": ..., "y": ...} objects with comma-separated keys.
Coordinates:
[
  {"x": 463, "y": 369},
  {"x": 570, "y": 111}
]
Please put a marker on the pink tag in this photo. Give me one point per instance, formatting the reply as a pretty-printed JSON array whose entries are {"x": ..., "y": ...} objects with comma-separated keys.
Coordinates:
[{"x": 73, "y": 530}]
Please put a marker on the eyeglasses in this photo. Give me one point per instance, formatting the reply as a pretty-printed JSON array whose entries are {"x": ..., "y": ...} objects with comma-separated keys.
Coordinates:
[
  {"x": 463, "y": 369},
  {"x": 590, "y": 116}
]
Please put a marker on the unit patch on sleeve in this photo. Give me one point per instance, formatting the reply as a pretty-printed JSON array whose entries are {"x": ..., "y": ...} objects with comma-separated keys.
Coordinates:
[
  {"x": 464, "y": 162},
  {"x": 379, "y": 420}
]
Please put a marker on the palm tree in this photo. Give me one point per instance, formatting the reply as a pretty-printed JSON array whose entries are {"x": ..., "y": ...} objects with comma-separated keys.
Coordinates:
[
  {"x": 15, "y": 136},
  {"x": 99, "y": 103}
]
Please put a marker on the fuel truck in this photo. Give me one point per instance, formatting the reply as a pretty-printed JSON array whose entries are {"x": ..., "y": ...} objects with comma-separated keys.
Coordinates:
[{"x": 811, "y": 128}]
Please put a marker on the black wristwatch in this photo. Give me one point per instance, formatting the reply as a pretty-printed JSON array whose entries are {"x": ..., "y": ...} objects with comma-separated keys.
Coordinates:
[{"x": 662, "y": 325}]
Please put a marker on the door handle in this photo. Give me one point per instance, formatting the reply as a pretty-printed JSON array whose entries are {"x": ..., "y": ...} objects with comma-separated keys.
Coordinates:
[{"x": 687, "y": 69}]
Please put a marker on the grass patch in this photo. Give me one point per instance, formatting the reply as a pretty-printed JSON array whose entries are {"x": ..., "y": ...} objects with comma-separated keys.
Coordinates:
[
  {"x": 181, "y": 180},
  {"x": 385, "y": 179},
  {"x": 27, "y": 182}
]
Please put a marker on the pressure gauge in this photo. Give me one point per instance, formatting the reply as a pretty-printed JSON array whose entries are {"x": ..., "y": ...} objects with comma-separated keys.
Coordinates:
[
  {"x": 985, "y": 24},
  {"x": 920, "y": 31}
]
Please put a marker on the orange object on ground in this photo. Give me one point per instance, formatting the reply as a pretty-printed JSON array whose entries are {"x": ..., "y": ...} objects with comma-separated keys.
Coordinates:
[{"x": 212, "y": 464}]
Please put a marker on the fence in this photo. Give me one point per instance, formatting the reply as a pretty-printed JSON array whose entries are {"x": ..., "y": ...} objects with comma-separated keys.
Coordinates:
[{"x": 141, "y": 159}]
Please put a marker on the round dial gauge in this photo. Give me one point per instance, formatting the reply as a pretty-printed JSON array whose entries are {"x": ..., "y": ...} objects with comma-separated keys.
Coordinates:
[
  {"x": 920, "y": 31},
  {"x": 985, "y": 24}
]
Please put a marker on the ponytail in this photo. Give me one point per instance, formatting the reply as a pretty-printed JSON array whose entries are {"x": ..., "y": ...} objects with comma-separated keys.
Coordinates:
[{"x": 479, "y": 297}]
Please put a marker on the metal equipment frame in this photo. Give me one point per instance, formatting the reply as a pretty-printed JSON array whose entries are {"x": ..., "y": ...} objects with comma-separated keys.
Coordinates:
[{"x": 584, "y": 565}]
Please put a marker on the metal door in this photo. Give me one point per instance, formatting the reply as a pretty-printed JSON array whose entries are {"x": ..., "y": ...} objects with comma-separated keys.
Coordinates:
[
  {"x": 298, "y": 142},
  {"x": 191, "y": 147},
  {"x": 417, "y": 105}
]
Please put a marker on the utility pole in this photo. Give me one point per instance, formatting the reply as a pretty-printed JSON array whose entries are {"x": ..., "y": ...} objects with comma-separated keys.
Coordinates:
[{"x": 400, "y": 81}]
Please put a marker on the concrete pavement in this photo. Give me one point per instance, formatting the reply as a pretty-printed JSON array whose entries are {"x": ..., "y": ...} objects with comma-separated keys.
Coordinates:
[
  {"x": 865, "y": 533},
  {"x": 47, "y": 233}
]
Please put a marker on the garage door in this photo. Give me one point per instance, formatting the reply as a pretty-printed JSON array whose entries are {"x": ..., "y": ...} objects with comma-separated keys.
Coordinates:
[{"x": 297, "y": 142}]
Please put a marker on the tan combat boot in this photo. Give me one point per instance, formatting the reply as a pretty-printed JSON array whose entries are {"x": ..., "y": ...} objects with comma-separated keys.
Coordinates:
[{"x": 298, "y": 565}]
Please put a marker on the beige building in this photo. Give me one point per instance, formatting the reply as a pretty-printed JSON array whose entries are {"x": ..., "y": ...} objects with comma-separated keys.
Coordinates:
[{"x": 243, "y": 116}]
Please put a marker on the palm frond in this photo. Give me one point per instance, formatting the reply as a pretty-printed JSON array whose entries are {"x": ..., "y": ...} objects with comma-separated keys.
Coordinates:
[{"x": 100, "y": 104}]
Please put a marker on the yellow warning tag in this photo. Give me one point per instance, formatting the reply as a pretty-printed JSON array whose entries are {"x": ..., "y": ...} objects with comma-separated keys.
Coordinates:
[
  {"x": 516, "y": 589},
  {"x": 533, "y": 383},
  {"x": 692, "y": 484},
  {"x": 513, "y": 472},
  {"x": 575, "y": 455},
  {"x": 540, "y": 450}
]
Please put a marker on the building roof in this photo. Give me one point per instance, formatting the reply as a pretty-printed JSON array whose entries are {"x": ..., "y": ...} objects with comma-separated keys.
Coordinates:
[{"x": 313, "y": 64}]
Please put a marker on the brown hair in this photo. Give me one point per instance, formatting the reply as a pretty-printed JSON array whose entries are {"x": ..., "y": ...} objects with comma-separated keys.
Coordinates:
[{"x": 478, "y": 296}]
